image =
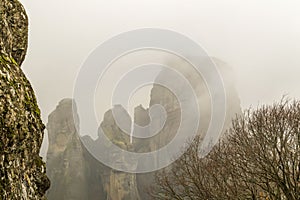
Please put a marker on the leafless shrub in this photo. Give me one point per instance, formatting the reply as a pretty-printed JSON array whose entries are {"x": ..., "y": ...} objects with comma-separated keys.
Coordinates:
[{"x": 258, "y": 159}]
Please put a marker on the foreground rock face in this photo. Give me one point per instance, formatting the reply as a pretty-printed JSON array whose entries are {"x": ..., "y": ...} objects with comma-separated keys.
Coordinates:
[{"x": 22, "y": 171}]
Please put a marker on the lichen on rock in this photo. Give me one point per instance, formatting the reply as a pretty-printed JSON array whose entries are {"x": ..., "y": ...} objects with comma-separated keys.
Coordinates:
[{"x": 22, "y": 171}]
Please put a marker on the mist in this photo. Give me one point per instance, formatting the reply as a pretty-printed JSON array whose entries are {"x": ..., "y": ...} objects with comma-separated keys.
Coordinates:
[
  {"x": 259, "y": 40},
  {"x": 142, "y": 100}
]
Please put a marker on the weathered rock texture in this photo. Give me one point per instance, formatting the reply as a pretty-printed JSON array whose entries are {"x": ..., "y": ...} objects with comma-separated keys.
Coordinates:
[
  {"x": 22, "y": 171},
  {"x": 75, "y": 174}
]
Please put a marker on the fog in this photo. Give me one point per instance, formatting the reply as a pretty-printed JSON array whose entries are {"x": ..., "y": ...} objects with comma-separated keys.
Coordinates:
[{"x": 259, "y": 39}]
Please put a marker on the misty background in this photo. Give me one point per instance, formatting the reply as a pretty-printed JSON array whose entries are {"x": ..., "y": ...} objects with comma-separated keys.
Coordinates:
[{"x": 259, "y": 40}]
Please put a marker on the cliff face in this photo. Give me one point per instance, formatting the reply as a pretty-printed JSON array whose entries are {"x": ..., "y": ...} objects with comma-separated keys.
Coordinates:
[
  {"x": 75, "y": 173},
  {"x": 119, "y": 185},
  {"x": 65, "y": 153},
  {"x": 71, "y": 170},
  {"x": 22, "y": 171},
  {"x": 161, "y": 95}
]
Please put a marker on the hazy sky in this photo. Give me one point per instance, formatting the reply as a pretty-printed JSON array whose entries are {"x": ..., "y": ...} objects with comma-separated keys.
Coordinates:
[{"x": 259, "y": 39}]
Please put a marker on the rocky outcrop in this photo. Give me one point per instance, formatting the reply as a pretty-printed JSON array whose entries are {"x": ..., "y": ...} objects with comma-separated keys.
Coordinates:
[
  {"x": 66, "y": 152},
  {"x": 14, "y": 31},
  {"x": 163, "y": 96},
  {"x": 73, "y": 172},
  {"x": 119, "y": 185},
  {"x": 22, "y": 171}
]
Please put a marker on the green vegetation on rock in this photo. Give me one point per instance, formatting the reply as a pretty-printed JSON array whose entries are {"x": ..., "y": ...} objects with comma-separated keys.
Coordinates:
[{"x": 22, "y": 171}]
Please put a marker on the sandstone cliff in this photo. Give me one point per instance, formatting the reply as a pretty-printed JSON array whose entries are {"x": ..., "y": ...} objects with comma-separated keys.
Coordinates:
[{"x": 22, "y": 171}]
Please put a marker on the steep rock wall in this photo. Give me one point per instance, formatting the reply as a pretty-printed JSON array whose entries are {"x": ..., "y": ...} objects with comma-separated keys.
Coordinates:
[
  {"x": 22, "y": 171},
  {"x": 73, "y": 172}
]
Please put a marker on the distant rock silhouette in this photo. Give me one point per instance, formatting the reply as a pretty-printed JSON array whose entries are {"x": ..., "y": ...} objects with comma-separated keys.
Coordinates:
[
  {"x": 76, "y": 174},
  {"x": 70, "y": 166}
]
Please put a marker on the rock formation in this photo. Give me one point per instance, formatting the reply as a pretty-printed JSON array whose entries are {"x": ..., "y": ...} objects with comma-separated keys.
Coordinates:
[
  {"x": 65, "y": 153},
  {"x": 161, "y": 95},
  {"x": 72, "y": 168},
  {"x": 22, "y": 171},
  {"x": 119, "y": 185},
  {"x": 72, "y": 171}
]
